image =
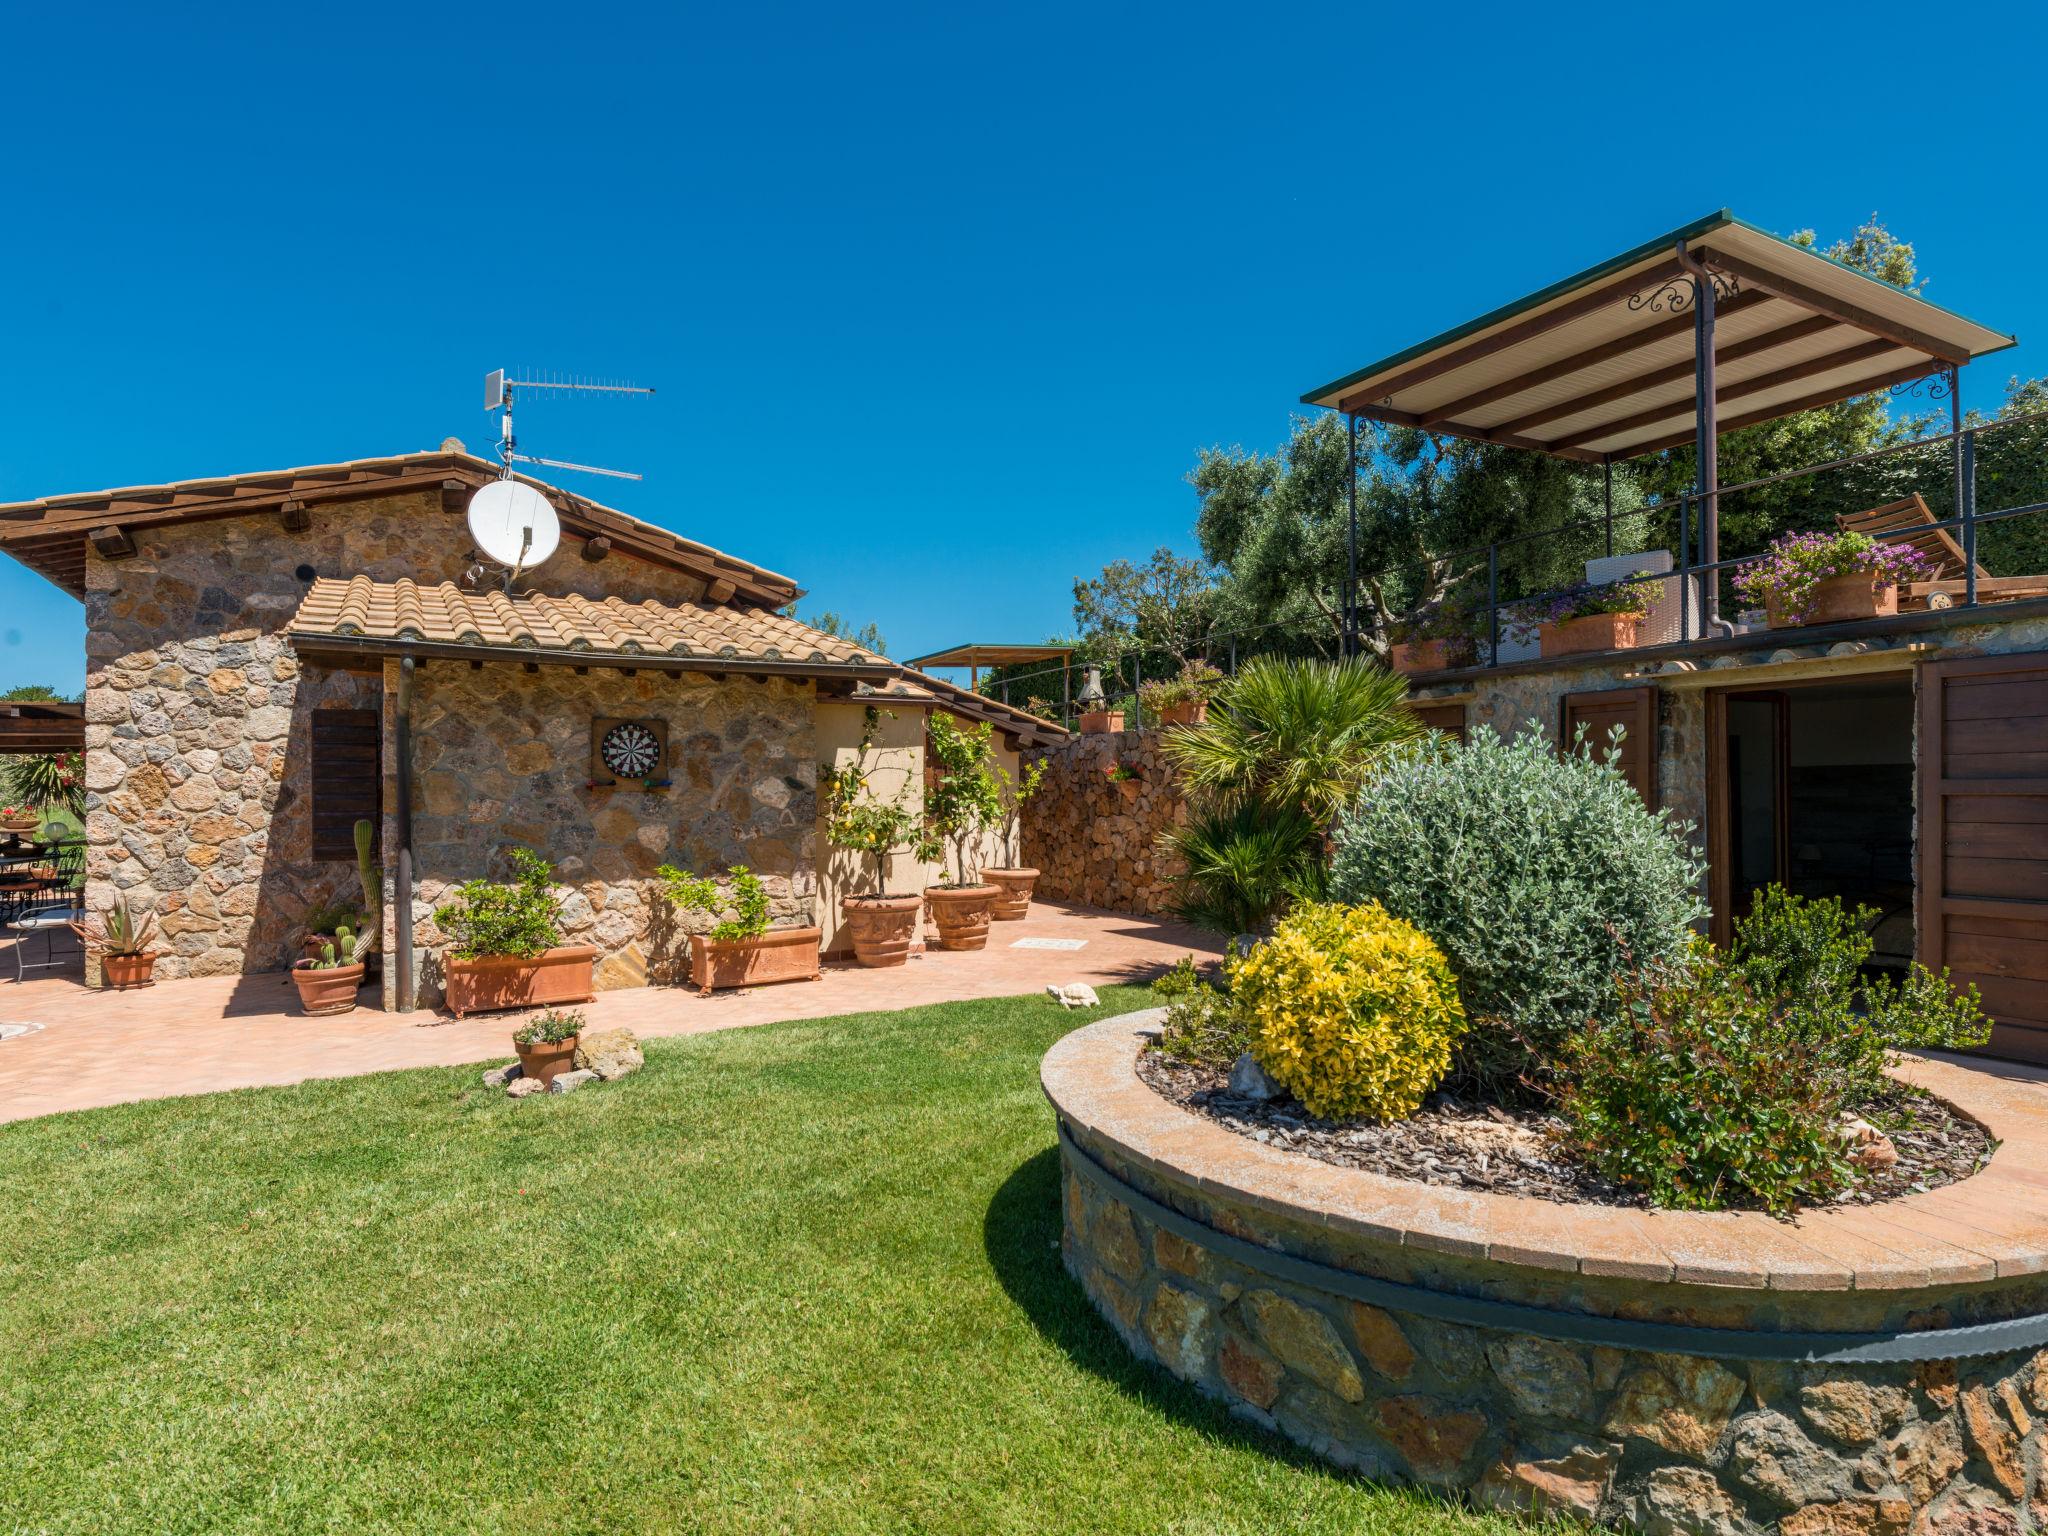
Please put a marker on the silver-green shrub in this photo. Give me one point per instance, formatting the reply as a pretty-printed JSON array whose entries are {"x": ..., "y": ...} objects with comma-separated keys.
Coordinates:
[{"x": 1541, "y": 875}]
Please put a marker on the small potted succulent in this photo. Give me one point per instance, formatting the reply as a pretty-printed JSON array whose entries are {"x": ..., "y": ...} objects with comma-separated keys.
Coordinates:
[
  {"x": 1434, "y": 637},
  {"x": 328, "y": 981},
  {"x": 362, "y": 919},
  {"x": 741, "y": 950},
  {"x": 1590, "y": 617},
  {"x": 1183, "y": 699},
  {"x": 1829, "y": 578},
  {"x": 546, "y": 1044},
  {"x": 964, "y": 798},
  {"x": 1125, "y": 779},
  {"x": 119, "y": 939},
  {"x": 1014, "y": 882},
  {"x": 508, "y": 950}
]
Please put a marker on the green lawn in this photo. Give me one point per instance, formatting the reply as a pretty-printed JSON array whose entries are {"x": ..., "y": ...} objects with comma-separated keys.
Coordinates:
[{"x": 798, "y": 1278}]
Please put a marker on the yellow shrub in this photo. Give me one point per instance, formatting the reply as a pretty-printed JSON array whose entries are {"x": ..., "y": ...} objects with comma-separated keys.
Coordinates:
[{"x": 1352, "y": 1010}]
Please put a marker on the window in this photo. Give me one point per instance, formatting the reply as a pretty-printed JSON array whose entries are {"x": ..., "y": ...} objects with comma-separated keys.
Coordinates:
[{"x": 348, "y": 780}]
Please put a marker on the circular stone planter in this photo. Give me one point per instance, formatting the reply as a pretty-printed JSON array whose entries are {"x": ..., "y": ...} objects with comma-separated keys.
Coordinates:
[{"x": 1862, "y": 1369}]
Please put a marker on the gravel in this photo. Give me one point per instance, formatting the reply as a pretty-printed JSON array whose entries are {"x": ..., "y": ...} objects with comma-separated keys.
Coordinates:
[{"x": 1462, "y": 1144}]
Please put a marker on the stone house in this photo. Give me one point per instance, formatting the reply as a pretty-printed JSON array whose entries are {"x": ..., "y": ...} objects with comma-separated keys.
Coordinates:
[{"x": 273, "y": 656}]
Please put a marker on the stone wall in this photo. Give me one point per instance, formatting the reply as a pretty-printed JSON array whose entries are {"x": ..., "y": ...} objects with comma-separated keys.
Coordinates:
[
  {"x": 1156, "y": 1204},
  {"x": 197, "y": 713},
  {"x": 500, "y": 760},
  {"x": 1095, "y": 842}
]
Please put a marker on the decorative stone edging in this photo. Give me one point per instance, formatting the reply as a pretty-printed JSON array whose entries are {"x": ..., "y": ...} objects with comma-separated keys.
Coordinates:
[{"x": 1411, "y": 1331}]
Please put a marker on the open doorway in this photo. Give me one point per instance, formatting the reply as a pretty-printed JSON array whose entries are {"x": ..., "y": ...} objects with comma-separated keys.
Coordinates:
[{"x": 1813, "y": 783}]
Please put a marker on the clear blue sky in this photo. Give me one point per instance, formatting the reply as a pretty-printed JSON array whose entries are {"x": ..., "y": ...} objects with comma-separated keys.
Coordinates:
[{"x": 940, "y": 301}]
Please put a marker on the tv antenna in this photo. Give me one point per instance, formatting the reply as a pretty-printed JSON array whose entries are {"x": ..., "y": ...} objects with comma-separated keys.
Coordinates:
[{"x": 498, "y": 397}]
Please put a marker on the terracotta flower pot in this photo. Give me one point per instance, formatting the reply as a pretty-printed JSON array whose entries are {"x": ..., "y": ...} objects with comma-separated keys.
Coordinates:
[
  {"x": 1594, "y": 632},
  {"x": 780, "y": 954},
  {"x": 544, "y": 1063},
  {"x": 1101, "y": 722},
  {"x": 1412, "y": 656},
  {"x": 881, "y": 927},
  {"x": 961, "y": 913},
  {"x": 332, "y": 990},
  {"x": 20, "y": 825},
  {"x": 562, "y": 975},
  {"x": 1014, "y": 888},
  {"x": 310, "y": 949},
  {"x": 1128, "y": 788},
  {"x": 120, "y": 972},
  {"x": 1838, "y": 600},
  {"x": 1187, "y": 712}
]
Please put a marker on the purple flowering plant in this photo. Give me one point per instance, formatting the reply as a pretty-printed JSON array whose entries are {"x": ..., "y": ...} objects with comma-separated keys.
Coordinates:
[
  {"x": 1792, "y": 569},
  {"x": 1630, "y": 597}
]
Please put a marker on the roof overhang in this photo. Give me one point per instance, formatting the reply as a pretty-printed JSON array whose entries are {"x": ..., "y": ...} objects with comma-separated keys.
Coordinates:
[
  {"x": 1600, "y": 366},
  {"x": 42, "y": 725},
  {"x": 50, "y": 535}
]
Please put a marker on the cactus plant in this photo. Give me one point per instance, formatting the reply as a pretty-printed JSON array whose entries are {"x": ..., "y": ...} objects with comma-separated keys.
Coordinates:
[{"x": 365, "y": 937}]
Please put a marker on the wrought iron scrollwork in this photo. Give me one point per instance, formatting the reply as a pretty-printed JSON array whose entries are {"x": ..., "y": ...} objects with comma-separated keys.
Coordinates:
[
  {"x": 1939, "y": 385},
  {"x": 1676, "y": 295}
]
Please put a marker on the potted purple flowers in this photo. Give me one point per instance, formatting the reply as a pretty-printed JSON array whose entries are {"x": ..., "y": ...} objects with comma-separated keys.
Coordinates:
[
  {"x": 1589, "y": 617},
  {"x": 1434, "y": 637},
  {"x": 1829, "y": 578}
]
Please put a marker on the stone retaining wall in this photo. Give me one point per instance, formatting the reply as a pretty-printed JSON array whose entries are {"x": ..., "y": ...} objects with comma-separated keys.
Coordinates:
[
  {"x": 1660, "y": 1442},
  {"x": 1094, "y": 842}
]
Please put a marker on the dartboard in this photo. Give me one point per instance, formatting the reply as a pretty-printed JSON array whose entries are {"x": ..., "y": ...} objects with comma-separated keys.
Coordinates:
[{"x": 630, "y": 750}]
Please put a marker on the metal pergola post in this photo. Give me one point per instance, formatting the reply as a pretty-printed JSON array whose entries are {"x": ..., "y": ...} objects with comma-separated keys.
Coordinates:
[
  {"x": 1707, "y": 434},
  {"x": 1607, "y": 499},
  {"x": 1351, "y": 539}
]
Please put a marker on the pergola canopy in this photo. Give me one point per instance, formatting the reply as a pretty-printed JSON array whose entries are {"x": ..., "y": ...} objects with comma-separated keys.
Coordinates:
[
  {"x": 991, "y": 655},
  {"x": 1601, "y": 366}
]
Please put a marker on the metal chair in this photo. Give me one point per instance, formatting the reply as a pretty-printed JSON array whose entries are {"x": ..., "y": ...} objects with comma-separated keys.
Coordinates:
[{"x": 48, "y": 918}]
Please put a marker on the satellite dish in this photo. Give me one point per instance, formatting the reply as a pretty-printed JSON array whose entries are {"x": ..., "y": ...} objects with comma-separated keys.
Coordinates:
[{"x": 513, "y": 524}]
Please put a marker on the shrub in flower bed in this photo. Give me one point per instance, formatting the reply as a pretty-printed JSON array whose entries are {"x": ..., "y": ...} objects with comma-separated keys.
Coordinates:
[
  {"x": 1353, "y": 1011},
  {"x": 1201, "y": 1026},
  {"x": 1788, "y": 576},
  {"x": 1538, "y": 874},
  {"x": 1725, "y": 1080}
]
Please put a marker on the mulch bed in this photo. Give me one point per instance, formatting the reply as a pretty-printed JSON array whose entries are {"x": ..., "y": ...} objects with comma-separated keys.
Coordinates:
[{"x": 1466, "y": 1145}]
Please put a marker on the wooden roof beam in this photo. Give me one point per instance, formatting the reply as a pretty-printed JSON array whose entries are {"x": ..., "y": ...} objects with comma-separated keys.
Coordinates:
[
  {"x": 1607, "y": 351},
  {"x": 1812, "y": 402},
  {"x": 1394, "y": 418},
  {"x": 1799, "y": 330},
  {"x": 1514, "y": 335},
  {"x": 1835, "y": 309}
]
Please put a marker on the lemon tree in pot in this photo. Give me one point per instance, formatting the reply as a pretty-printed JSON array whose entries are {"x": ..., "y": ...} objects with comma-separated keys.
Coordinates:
[
  {"x": 880, "y": 923},
  {"x": 965, "y": 798},
  {"x": 119, "y": 939},
  {"x": 1017, "y": 881},
  {"x": 741, "y": 950},
  {"x": 508, "y": 950}
]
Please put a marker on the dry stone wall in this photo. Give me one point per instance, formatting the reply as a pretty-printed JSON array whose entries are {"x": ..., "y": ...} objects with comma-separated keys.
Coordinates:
[
  {"x": 1095, "y": 842},
  {"x": 198, "y": 714}
]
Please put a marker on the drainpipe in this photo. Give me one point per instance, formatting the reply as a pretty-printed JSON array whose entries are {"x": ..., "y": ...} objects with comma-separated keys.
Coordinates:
[
  {"x": 408, "y": 992},
  {"x": 1706, "y": 415}
]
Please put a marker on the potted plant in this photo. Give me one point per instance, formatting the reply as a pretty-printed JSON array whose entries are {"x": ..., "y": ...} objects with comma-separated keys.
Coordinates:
[
  {"x": 1589, "y": 617},
  {"x": 1829, "y": 578},
  {"x": 21, "y": 820},
  {"x": 1184, "y": 698},
  {"x": 742, "y": 950},
  {"x": 507, "y": 943},
  {"x": 546, "y": 1044},
  {"x": 1434, "y": 638},
  {"x": 881, "y": 924},
  {"x": 328, "y": 981},
  {"x": 1014, "y": 883},
  {"x": 1125, "y": 779},
  {"x": 361, "y": 920},
  {"x": 962, "y": 800},
  {"x": 1097, "y": 718},
  {"x": 119, "y": 939}
]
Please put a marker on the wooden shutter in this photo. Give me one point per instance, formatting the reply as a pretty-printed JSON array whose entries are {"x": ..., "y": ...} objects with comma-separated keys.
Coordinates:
[
  {"x": 1982, "y": 877},
  {"x": 1635, "y": 711},
  {"x": 347, "y": 779},
  {"x": 1448, "y": 718}
]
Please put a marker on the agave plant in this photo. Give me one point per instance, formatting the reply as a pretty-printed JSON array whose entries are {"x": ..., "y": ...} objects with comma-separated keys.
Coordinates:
[
  {"x": 1287, "y": 734},
  {"x": 121, "y": 930}
]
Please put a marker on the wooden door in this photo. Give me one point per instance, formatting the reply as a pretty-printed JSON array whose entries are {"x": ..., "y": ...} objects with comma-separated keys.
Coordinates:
[
  {"x": 1982, "y": 841},
  {"x": 1635, "y": 711}
]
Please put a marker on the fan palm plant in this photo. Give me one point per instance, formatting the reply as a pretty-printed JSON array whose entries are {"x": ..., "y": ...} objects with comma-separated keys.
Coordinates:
[
  {"x": 1284, "y": 750},
  {"x": 1293, "y": 734}
]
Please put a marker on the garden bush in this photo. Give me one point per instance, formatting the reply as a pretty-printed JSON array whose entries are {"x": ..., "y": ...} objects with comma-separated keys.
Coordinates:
[
  {"x": 1352, "y": 1010},
  {"x": 1201, "y": 1025},
  {"x": 1539, "y": 874},
  {"x": 521, "y": 917}
]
